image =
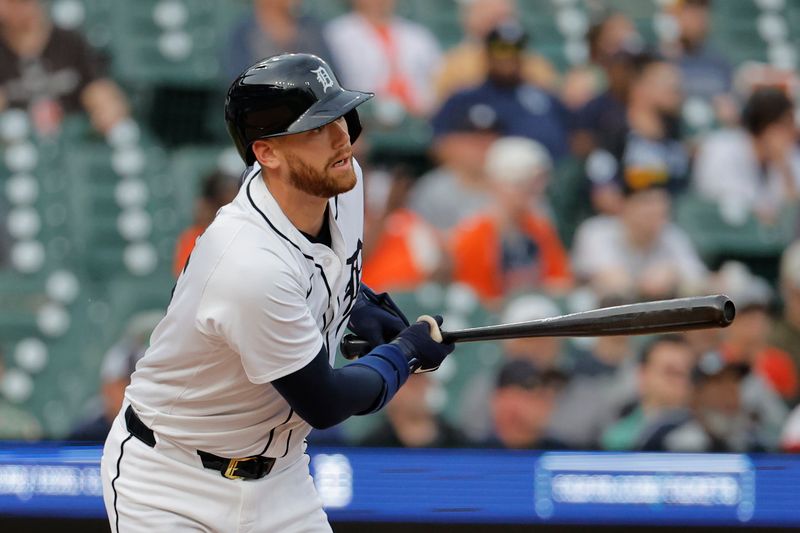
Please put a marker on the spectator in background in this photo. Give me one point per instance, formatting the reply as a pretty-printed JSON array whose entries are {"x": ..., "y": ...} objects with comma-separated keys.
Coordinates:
[
  {"x": 546, "y": 354},
  {"x": 608, "y": 110},
  {"x": 718, "y": 423},
  {"x": 15, "y": 423},
  {"x": 465, "y": 64},
  {"x": 217, "y": 189},
  {"x": 273, "y": 27},
  {"x": 785, "y": 333},
  {"x": 378, "y": 51},
  {"x": 512, "y": 245},
  {"x": 609, "y": 37},
  {"x": 603, "y": 380},
  {"x": 664, "y": 392},
  {"x": 746, "y": 339},
  {"x": 606, "y": 353},
  {"x": 401, "y": 250},
  {"x": 703, "y": 340},
  {"x": 705, "y": 72},
  {"x": 411, "y": 423},
  {"x": 790, "y": 436},
  {"x": 457, "y": 188},
  {"x": 119, "y": 363},
  {"x": 646, "y": 149},
  {"x": 50, "y": 72},
  {"x": 755, "y": 168},
  {"x": 503, "y": 97},
  {"x": 639, "y": 252},
  {"x": 759, "y": 396},
  {"x": 604, "y": 356},
  {"x": 523, "y": 402}
]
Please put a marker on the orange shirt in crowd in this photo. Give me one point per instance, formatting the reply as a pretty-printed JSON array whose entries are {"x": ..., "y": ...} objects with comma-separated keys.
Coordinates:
[
  {"x": 477, "y": 257},
  {"x": 775, "y": 366},
  {"x": 184, "y": 247},
  {"x": 406, "y": 254}
]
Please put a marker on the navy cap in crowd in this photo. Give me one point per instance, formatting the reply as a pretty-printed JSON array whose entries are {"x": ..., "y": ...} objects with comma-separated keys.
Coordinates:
[
  {"x": 459, "y": 116},
  {"x": 508, "y": 36},
  {"x": 523, "y": 374}
]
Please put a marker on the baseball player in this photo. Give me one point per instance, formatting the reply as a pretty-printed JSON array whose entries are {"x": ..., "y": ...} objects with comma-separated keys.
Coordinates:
[{"x": 211, "y": 436}]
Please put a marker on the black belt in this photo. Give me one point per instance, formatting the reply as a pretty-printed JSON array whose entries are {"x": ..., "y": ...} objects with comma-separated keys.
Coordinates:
[{"x": 254, "y": 467}]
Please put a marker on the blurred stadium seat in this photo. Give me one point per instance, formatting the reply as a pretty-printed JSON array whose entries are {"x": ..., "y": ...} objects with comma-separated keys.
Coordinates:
[{"x": 717, "y": 239}]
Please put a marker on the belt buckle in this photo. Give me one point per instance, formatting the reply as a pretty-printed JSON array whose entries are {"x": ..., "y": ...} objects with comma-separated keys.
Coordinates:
[{"x": 234, "y": 462}]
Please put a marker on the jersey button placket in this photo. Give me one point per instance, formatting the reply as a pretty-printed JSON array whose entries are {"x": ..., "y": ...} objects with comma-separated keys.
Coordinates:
[{"x": 333, "y": 269}]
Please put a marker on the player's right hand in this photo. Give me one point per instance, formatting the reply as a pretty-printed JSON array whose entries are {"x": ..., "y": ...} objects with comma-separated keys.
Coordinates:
[
  {"x": 375, "y": 318},
  {"x": 422, "y": 344}
]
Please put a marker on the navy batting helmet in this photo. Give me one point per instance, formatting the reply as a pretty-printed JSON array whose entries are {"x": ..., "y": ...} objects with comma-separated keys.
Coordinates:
[{"x": 287, "y": 94}]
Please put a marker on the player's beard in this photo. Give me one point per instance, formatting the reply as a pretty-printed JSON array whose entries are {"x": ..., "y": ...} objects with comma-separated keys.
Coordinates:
[{"x": 323, "y": 184}]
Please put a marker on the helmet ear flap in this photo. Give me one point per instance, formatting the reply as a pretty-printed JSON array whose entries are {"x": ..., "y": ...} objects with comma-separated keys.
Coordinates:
[{"x": 353, "y": 124}]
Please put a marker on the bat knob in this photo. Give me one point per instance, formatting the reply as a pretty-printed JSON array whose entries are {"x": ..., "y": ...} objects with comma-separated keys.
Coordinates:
[{"x": 353, "y": 347}]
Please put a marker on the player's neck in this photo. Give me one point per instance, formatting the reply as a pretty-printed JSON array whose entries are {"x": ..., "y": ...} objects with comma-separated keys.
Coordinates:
[{"x": 303, "y": 210}]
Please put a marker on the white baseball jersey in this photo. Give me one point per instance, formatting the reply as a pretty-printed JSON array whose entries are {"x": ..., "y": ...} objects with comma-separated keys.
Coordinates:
[{"x": 256, "y": 302}]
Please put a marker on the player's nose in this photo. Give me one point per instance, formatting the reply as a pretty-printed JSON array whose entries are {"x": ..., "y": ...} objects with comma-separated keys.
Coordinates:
[{"x": 339, "y": 133}]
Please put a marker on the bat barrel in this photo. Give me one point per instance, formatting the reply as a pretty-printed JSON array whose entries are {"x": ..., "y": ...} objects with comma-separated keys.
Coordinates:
[{"x": 680, "y": 314}]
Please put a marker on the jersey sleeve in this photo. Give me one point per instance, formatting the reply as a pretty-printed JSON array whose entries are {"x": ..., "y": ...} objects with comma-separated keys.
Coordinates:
[{"x": 259, "y": 309}]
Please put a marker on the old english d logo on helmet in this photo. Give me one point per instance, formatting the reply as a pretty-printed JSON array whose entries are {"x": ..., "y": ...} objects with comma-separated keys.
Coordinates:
[
  {"x": 285, "y": 94},
  {"x": 323, "y": 78}
]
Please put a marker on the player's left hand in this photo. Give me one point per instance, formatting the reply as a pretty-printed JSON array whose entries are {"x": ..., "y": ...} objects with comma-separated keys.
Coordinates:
[
  {"x": 424, "y": 345},
  {"x": 376, "y": 318}
]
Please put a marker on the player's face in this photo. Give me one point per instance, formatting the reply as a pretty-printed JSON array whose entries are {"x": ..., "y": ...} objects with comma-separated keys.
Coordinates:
[
  {"x": 320, "y": 162},
  {"x": 645, "y": 215}
]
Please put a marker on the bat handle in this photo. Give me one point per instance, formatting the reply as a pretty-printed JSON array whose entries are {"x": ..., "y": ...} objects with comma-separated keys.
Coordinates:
[{"x": 353, "y": 347}]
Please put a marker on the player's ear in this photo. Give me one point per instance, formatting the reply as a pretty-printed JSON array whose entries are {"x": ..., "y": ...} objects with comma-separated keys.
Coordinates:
[{"x": 265, "y": 153}]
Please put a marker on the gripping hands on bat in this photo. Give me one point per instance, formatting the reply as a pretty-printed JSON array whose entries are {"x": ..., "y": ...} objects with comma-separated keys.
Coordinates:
[
  {"x": 662, "y": 316},
  {"x": 375, "y": 319}
]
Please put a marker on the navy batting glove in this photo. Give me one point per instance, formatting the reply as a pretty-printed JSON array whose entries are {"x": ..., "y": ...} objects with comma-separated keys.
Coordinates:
[
  {"x": 423, "y": 352},
  {"x": 376, "y": 318}
]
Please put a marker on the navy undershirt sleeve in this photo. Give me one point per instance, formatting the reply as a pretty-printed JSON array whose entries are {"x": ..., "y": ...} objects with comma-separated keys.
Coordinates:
[{"x": 324, "y": 396}]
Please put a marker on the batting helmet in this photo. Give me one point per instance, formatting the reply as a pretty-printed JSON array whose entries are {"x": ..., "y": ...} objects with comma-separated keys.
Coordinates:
[{"x": 287, "y": 94}]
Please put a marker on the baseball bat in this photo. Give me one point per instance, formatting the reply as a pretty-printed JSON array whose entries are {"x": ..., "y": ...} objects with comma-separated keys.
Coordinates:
[{"x": 679, "y": 314}]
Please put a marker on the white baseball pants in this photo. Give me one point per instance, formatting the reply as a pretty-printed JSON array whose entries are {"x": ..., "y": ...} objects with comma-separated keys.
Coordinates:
[{"x": 147, "y": 492}]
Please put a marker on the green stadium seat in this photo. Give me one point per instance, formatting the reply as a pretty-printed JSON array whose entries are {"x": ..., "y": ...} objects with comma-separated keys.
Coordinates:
[
  {"x": 20, "y": 298},
  {"x": 325, "y": 10},
  {"x": 569, "y": 196},
  {"x": 127, "y": 296},
  {"x": 136, "y": 47},
  {"x": 91, "y": 198},
  {"x": 187, "y": 167},
  {"x": 410, "y": 139},
  {"x": 717, "y": 240}
]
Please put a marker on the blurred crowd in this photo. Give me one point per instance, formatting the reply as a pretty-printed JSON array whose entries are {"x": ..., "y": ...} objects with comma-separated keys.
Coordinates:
[{"x": 504, "y": 123}]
